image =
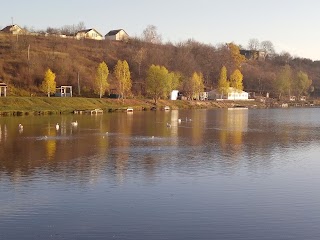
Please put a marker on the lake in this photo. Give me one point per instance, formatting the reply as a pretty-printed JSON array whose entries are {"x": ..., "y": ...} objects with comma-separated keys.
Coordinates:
[{"x": 217, "y": 174}]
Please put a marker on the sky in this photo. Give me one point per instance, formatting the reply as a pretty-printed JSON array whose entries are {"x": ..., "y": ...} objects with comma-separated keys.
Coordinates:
[{"x": 291, "y": 25}]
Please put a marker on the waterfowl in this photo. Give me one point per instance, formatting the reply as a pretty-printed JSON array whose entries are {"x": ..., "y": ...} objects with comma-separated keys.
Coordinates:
[{"x": 74, "y": 123}]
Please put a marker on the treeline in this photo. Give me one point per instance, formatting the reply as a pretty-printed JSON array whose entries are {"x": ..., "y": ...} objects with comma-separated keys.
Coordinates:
[{"x": 25, "y": 59}]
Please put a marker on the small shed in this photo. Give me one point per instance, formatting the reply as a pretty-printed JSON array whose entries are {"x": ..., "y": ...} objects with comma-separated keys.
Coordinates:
[
  {"x": 174, "y": 95},
  {"x": 64, "y": 91},
  {"x": 3, "y": 89}
]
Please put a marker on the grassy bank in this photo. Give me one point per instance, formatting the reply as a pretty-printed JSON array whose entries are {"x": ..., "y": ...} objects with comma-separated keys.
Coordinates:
[{"x": 45, "y": 105}]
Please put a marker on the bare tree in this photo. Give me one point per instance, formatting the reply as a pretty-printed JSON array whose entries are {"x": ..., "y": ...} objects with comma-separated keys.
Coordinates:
[
  {"x": 51, "y": 30},
  {"x": 267, "y": 46},
  {"x": 253, "y": 44},
  {"x": 150, "y": 34},
  {"x": 139, "y": 57},
  {"x": 71, "y": 30}
]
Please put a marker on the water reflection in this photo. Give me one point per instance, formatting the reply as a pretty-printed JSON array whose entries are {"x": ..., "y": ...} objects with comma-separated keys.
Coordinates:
[
  {"x": 3, "y": 133},
  {"x": 216, "y": 174},
  {"x": 124, "y": 143},
  {"x": 235, "y": 126}
]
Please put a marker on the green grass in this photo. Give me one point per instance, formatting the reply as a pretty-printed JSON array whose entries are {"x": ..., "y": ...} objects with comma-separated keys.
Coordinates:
[{"x": 56, "y": 105}]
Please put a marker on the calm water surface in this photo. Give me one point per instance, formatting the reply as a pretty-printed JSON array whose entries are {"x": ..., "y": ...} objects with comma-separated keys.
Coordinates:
[{"x": 219, "y": 174}]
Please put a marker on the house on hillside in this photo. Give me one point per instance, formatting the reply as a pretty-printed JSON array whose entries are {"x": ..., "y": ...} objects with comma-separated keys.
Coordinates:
[
  {"x": 89, "y": 34},
  {"x": 254, "y": 54},
  {"x": 117, "y": 35},
  {"x": 14, "y": 29},
  {"x": 232, "y": 94}
]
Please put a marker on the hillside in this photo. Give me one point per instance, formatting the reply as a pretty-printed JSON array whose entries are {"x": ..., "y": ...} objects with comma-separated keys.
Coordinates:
[{"x": 24, "y": 60}]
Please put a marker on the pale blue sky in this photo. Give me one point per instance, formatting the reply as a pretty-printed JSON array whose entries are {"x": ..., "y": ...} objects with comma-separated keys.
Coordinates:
[{"x": 292, "y": 25}]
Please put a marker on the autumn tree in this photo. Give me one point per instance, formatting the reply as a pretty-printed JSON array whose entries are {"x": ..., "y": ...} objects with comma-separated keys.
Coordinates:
[
  {"x": 156, "y": 82},
  {"x": 49, "y": 84},
  {"x": 196, "y": 84},
  {"x": 237, "y": 58},
  {"x": 283, "y": 81},
  {"x": 122, "y": 74},
  {"x": 223, "y": 83},
  {"x": 236, "y": 79},
  {"x": 173, "y": 83},
  {"x": 101, "y": 81},
  {"x": 301, "y": 83}
]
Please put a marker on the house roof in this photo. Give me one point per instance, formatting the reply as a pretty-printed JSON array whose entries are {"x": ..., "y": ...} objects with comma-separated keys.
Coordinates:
[
  {"x": 114, "y": 32},
  {"x": 2, "y": 84},
  {"x": 88, "y": 30},
  {"x": 231, "y": 90}
]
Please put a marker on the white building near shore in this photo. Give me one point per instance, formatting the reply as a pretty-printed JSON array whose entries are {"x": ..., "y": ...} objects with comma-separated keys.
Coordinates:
[{"x": 233, "y": 94}]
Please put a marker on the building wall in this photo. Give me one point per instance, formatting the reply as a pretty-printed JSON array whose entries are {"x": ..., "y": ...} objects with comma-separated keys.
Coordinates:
[
  {"x": 93, "y": 35},
  {"x": 122, "y": 36},
  {"x": 16, "y": 30},
  {"x": 238, "y": 96},
  {"x": 113, "y": 37},
  {"x": 232, "y": 95},
  {"x": 89, "y": 35}
]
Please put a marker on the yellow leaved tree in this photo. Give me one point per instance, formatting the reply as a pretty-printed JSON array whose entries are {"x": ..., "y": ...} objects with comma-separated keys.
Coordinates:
[
  {"x": 101, "y": 81},
  {"x": 156, "y": 82},
  {"x": 223, "y": 83},
  {"x": 236, "y": 80},
  {"x": 49, "y": 84},
  {"x": 123, "y": 76}
]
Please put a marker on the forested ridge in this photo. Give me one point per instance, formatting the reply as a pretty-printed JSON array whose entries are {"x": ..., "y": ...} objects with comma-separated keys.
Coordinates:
[{"x": 24, "y": 59}]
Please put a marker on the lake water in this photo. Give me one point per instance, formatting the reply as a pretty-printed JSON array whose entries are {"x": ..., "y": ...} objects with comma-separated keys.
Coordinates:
[{"x": 219, "y": 174}]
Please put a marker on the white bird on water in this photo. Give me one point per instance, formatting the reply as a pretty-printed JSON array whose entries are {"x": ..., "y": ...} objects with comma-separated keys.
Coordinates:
[
  {"x": 57, "y": 126},
  {"x": 179, "y": 120},
  {"x": 168, "y": 125},
  {"x": 75, "y": 124},
  {"x": 20, "y": 127}
]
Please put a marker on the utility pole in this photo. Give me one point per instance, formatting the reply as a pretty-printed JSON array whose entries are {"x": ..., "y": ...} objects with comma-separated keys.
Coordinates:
[
  {"x": 79, "y": 84},
  {"x": 29, "y": 53}
]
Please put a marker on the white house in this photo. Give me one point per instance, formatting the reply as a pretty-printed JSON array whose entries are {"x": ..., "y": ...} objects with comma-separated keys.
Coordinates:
[
  {"x": 232, "y": 94},
  {"x": 13, "y": 29},
  {"x": 89, "y": 34},
  {"x": 118, "y": 35}
]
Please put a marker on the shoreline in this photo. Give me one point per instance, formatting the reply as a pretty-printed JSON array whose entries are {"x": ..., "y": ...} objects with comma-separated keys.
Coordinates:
[{"x": 24, "y": 106}]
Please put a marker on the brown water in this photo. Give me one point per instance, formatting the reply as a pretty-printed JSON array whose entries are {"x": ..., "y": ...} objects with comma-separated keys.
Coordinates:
[{"x": 219, "y": 174}]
